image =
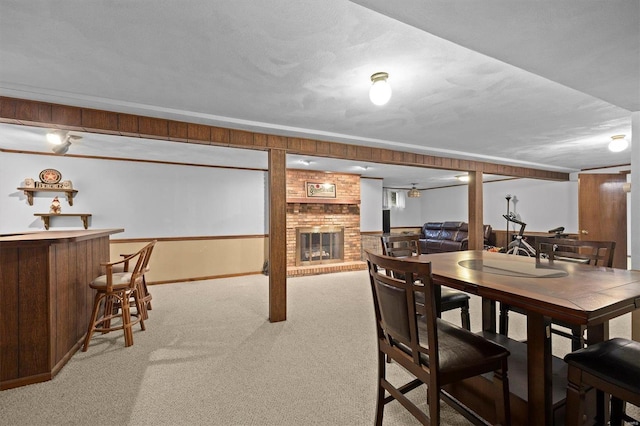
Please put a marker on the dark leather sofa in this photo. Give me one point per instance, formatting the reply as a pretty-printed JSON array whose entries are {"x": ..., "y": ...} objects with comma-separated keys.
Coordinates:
[{"x": 438, "y": 237}]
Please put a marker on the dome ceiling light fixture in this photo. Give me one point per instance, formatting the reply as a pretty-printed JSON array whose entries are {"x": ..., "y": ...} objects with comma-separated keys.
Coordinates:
[
  {"x": 413, "y": 192},
  {"x": 618, "y": 143},
  {"x": 61, "y": 141},
  {"x": 380, "y": 91}
]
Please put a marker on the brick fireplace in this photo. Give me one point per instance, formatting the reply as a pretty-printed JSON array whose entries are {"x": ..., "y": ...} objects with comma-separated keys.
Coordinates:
[{"x": 307, "y": 213}]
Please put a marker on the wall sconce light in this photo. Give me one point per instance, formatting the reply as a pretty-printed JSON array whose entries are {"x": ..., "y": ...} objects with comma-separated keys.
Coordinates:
[
  {"x": 413, "y": 192},
  {"x": 380, "y": 91},
  {"x": 618, "y": 143},
  {"x": 61, "y": 141}
]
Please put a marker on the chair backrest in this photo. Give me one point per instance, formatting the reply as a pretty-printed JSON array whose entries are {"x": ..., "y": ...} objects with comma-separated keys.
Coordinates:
[
  {"x": 138, "y": 271},
  {"x": 596, "y": 253},
  {"x": 141, "y": 258},
  {"x": 395, "y": 308},
  {"x": 403, "y": 245},
  {"x": 145, "y": 263}
]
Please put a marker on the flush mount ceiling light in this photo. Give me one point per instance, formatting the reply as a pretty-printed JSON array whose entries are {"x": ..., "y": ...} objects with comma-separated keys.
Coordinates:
[
  {"x": 413, "y": 192},
  {"x": 618, "y": 143},
  {"x": 380, "y": 91},
  {"x": 61, "y": 141}
]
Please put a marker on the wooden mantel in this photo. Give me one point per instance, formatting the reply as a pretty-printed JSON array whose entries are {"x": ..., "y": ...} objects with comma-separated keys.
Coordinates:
[{"x": 322, "y": 201}]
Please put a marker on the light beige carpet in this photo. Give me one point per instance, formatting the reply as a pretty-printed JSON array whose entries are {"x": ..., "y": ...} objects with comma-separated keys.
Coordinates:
[{"x": 210, "y": 356}]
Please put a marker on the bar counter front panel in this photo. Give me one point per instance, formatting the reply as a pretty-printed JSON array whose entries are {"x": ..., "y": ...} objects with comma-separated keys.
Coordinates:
[{"x": 45, "y": 300}]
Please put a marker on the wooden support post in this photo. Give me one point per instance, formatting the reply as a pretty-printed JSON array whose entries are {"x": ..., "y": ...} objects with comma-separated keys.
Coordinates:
[
  {"x": 476, "y": 240},
  {"x": 277, "y": 235}
]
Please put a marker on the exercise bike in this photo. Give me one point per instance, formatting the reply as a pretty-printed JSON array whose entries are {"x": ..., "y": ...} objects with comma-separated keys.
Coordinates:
[{"x": 520, "y": 246}]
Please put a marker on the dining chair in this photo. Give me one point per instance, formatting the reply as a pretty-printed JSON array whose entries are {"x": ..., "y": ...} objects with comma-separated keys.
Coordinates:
[
  {"x": 433, "y": 351},
  {"x": 118, "y": 288},
  {"x": 612, "y": 367},
  {"x": 406, "y": 245},
  {"x": 594, "y": 253}
]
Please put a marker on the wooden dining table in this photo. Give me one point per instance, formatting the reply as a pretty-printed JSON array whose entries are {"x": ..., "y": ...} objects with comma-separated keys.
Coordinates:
[{"x": 571, "y": 292}]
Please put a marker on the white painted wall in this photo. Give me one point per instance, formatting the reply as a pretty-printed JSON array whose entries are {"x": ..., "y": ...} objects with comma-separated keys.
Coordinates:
[
  {"x": 542, "y": 205},
  {"x": 439, "y": 205},
  {"x": 371, "y": 205},
  {"x": 146, "y": 199},
  {"x": 410, "y": 215}
]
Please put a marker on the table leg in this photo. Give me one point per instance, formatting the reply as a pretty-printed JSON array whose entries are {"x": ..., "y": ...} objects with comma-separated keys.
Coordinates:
[
  {"x": 488, "y": 315},
  {"x": 539, "y": 373}
]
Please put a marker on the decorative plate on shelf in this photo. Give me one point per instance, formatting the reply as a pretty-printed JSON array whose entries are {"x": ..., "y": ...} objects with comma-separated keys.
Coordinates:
[{"x": 50, "y": 176}]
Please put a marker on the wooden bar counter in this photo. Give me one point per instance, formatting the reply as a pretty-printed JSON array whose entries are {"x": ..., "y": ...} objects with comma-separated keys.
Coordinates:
[{"x": 45, "y": 299}]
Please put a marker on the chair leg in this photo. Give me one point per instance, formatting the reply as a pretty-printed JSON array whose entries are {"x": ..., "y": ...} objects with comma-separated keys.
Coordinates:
[
  {"x": 464, "y": 314},
  {"x": 382, "y": 368},
  {"x": 503, "y": 395},
  {"x": 147, "y": 296},
  {"x": 110, "y": 309},
  {"x": 504, "y": 319},
  {"x": 126, "y": 322},
  {"x": 141, "y": 307},
  {"x": 433, "y": 399},
  {"x": 617, "y": 409},
  {"x": 574, "y": 407}
]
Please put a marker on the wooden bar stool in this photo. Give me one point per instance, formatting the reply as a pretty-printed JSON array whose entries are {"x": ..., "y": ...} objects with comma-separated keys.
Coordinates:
[
  {"x": 612, "y": 367},
  {"x": 118, "y": 288},
  {"x": 143, "y": 291}
]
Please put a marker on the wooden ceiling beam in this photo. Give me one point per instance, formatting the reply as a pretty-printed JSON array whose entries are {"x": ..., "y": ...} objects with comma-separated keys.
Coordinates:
[{"x": 45, "y": 114}]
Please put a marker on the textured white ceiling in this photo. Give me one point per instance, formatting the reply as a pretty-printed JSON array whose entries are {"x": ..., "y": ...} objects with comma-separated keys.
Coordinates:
[{"x": 540, "y": 84}]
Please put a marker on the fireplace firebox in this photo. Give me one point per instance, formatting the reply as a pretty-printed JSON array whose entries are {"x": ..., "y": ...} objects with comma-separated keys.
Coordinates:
[{"x": 319, "y": 244}]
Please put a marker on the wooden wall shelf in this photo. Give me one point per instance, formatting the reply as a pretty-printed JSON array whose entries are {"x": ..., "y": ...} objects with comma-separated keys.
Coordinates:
[
  {"x": 70, "y": 193},
  {"x": 46, "y": 217}
]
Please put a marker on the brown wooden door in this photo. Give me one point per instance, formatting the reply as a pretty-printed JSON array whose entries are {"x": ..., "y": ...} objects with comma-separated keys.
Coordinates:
[{"x": 602, "y": 212}]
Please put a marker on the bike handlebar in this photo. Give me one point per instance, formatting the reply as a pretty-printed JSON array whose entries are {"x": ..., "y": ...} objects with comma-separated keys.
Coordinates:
[{"x": 514, "y": 220}]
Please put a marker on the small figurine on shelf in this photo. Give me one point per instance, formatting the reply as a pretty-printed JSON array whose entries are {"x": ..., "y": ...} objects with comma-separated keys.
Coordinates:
[{"x": 55, "y": 206}]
